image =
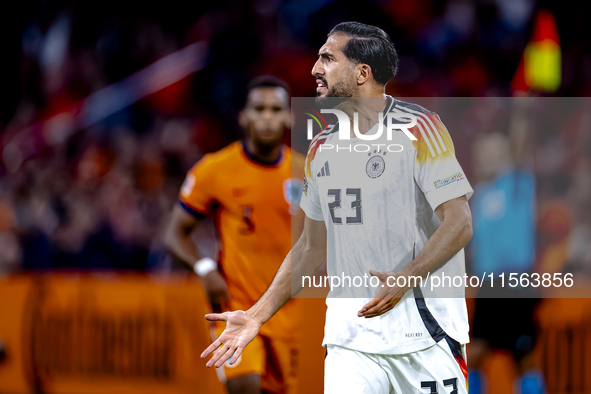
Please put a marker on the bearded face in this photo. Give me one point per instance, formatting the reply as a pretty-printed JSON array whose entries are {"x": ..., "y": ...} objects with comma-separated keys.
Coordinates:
[{"x": 334, "y": 72}]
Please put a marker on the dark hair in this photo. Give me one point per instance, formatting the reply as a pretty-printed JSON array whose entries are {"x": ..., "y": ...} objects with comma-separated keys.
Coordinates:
[
  {"x": 370, "y": 45},
  {"x": 265, "y": 81}
]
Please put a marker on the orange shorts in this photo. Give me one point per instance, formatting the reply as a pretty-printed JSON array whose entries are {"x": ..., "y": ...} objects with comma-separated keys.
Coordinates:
[{"x": 276, "y": 360}]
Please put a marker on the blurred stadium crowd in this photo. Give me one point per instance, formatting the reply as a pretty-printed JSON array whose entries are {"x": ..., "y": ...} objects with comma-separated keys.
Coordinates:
[{"x": 99, "y": 199}]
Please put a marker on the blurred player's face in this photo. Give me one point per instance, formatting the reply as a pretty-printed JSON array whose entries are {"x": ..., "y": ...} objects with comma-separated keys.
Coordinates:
[
  {"x": 335, "y": 74},
  {"x": 492, "y": 154},
  {"x": 266, "y": 115}
]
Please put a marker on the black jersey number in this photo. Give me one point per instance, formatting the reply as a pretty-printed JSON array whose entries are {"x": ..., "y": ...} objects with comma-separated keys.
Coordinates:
[
  {"x": 336, "y": 204},
  {"x": 248, "y": 228},
  {"x": 432, "y": 386}
]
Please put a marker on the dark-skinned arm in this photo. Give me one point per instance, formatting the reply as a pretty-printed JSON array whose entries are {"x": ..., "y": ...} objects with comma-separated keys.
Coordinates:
[{"x": 177, "y": 238}]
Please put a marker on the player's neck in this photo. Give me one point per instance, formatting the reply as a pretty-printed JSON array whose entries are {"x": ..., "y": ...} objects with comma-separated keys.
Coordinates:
[
  {"x": 371, "y": 90},
  {"x": 263, "y": 154},
  {"x": 366, "y": 106}
]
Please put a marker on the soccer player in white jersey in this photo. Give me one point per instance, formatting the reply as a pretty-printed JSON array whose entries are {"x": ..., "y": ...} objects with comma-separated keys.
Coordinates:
[{"x": 397, "y": 212}]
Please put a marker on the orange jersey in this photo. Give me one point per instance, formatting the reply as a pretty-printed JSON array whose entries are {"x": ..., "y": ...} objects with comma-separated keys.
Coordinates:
[{"x": 255, "y": 205}]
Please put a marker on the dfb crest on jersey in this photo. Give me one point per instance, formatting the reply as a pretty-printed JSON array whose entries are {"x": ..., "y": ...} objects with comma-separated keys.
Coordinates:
[
  {"x": 292, "y": 192},
  {"x": 375, "y": 166}
]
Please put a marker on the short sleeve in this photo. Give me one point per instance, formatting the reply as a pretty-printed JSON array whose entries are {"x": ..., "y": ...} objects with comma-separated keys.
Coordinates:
[
  {"x": 310, "y": 202},
  {"x": 197, "y": 191},
  {"x": 437, "y": 171}
]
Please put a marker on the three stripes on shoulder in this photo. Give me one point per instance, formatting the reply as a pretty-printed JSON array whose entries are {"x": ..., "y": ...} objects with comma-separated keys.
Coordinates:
[
  {"x": 324, "y": 171},
  {"x": 432, "y": 137}
]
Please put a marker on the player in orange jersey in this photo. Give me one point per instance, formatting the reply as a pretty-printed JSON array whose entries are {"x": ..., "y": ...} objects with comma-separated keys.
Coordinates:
[{"x": 253, "y": 188}]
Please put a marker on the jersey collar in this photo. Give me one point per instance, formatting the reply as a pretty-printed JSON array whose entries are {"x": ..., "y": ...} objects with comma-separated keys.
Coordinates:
[{"x": 266, "y": 164}]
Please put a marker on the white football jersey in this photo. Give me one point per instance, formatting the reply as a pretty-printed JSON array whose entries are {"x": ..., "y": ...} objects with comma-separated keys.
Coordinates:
[{"x": 378, "y": 206}]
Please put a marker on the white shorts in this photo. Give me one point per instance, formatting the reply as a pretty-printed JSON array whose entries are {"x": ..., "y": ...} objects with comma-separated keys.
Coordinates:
[{"x": 438, "y": 369}]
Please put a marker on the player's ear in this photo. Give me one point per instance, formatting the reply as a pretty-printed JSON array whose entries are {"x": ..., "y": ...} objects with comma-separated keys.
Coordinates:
[
  {"x": 243, "y": 119},
  {"x": 363, "y": 73},
  {"x": 287, "y": 118}
]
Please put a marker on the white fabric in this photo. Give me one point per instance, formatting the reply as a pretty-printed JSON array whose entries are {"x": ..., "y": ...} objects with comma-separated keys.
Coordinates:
[
  {"x": 397, "y": 218},
  {"x": 353, "y": 372}
]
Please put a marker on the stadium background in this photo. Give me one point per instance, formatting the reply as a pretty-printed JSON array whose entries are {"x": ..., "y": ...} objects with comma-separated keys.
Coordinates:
[{"x": 97, "y": 136}]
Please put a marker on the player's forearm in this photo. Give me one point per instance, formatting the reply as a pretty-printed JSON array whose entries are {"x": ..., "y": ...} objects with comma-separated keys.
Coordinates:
[
  {"x": 278, "y": 293},
  {"x": 452, "y": 235},
  {"x": 182, "y": 246},
  {"x": 304, "y": 259}
]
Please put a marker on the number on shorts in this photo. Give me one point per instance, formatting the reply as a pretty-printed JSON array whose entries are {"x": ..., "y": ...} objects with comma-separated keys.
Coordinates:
[
  {"x": 453, "y": 383},
  {"x": 432, "y": 385}
]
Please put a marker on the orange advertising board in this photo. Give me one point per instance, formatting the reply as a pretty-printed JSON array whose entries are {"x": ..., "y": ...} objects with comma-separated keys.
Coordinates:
[
  {"x": 104, "y": 333},
  {"x": 120, "y": 333}
]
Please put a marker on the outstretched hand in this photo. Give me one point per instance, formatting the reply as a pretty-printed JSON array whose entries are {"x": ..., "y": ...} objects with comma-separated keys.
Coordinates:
[
  {"x": 241, "y": 328},
  {"x": 387, "y": 297}
]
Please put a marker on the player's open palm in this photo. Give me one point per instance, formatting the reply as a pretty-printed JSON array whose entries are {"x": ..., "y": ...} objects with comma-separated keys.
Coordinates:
[
  {"x": 241, "y": 328},
  {"x": 387, "y": 297}
]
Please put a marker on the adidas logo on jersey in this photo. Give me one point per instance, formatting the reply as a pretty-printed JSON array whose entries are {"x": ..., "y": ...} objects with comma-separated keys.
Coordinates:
[{"x": 324, "y": 171}]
